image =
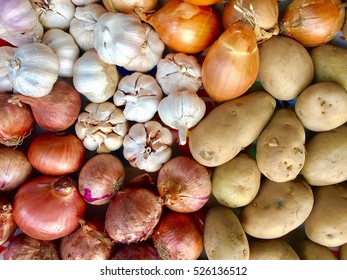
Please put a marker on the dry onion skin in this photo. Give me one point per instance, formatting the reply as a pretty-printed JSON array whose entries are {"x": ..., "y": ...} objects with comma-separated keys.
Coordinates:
[
  {"x": 7, "y": 223},
  {"x": 313, "y": 22}
]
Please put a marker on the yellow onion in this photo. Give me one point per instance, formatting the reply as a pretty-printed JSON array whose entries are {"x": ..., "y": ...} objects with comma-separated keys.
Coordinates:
[
  {"x": 313, "y": 22},
  {"x": 231, "y": 64},
  {"x": 185, "y": 27},
  {"x": 261, "y": 14},
  {"x": 128, "y": 6},
  {"x": 203, "y": 2}
]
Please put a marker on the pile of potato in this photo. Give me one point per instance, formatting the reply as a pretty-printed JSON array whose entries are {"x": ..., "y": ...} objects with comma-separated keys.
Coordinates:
[{"x": 289, "y": 200}]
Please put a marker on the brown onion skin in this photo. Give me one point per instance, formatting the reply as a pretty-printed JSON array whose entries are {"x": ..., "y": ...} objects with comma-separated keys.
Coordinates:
[
  {"x": 16, "y": 122},
  {"x": 178, "y": 237},
  {"x": 86, "y": 243},
  {"x": 7, "y": 223},
  {"x": 15, "y": 168},
  {"x": 48, "y": 208},
  {"x": 184, "y": 184},
  {"x": 24, "y": 247},
  {"x": 56, "y": 111},
  {"x": 185, "y": 27},
  {"x": 136, "y": 251},
  {"x": 132, "y": 215},
  {"x": 100, "y": 178},
  {"x": 56, "y": 155},
  {"x": 203, "y": 2}
]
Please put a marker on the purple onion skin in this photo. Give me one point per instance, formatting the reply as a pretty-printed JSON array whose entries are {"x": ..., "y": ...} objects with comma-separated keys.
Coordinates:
[
  {"x": 136, "y": 251},
  {"x": 24, "y": 247}
]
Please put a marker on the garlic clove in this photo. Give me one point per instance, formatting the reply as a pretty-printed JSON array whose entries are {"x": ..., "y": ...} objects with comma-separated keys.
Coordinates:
[
  {"x": 181, "y": 110},
  {"x": 83, "y": 2},
  {"x": 90, "y": 143},
  {"x": 113, "y": 141}
]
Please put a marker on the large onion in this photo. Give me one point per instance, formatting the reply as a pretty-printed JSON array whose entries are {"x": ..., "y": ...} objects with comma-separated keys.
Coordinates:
[{"x": 48, "y": 208}]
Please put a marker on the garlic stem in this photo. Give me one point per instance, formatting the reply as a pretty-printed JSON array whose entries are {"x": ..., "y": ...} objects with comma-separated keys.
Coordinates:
[{"x": 182, "y": 134}]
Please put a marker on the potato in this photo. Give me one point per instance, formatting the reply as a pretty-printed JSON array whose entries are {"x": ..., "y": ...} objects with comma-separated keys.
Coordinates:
[
  {"x": 330, "y": 64},
  {"x": 230, "y": 127},
  {"x": 273, "y": 249},
  {"x": 224, "y": 237},
  {"x": 281, "y": 147},
  {"x": 309, "y": 250},
  {"x": 327, "y": 222},
  {"x": 343, "y": 252},
  {"x": 277, "y": 209},
  {"x": 322, "y": 106},
  {"x": 285, "y": 67},
  {"x": 326, "y": 158},
  {"x": 236, "y": 182}
]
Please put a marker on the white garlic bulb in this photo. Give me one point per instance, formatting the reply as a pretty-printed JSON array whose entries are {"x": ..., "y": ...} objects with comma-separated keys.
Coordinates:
[
  {"x": 33, "y": 70},
  {"x": 19, "y": 24},
  {"x": 140, "y": 94},
  {"x": 147, "y": 146},
  {"x": 179, "y": 71},
  {"x": 6, "y": 54},
  {"x": 181, "y": 110},
  {"x": 94, "y": 78},
  {"x": 118, "y": 37},
  {"x": 101, "y": 127},
  {"x": 82, "y": 24},
  {"x": 54, "y": 13},
  {"x": 83, "y": 2},
  {"x": 64, "y": 46}
]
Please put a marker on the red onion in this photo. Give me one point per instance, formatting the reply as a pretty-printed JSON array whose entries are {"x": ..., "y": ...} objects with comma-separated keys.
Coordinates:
[
  {"x": 100, "y": 178},
  {"x": 24, "y": 247},
  {"x": 16, "y": 122},
  {"x": 48, "y": 208},
  {"x": 15, "y": 168},
  {"x": 184, "y": 184},
  {"x": 7, "y": 223},
  {"x": 56, "y": 111},
  {"x": 137, "y": 251},
  {"x": 56, "y": 155},
  {"x": 177, "y": 237},
  {"x": 86, "y": 243},
  {"x": 132, "y": 215}
]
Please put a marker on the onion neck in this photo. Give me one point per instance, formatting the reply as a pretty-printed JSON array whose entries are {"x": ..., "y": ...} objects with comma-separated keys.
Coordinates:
[
  {"x": 18, "y": 99},
  {"x": 64, "y": 186}
]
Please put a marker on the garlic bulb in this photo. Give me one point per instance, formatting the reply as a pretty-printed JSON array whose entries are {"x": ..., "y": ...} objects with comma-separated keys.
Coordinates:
[
  {"x": 181, "y": 110},
  {"x": 64, "y": 46},
  {"x": 94, "y": 78},
  {"x": 147, "y": 146},
  {"x": 118, "y": 37},
  {"x": 33, "y": 70},
  {"x": 83, "y": 2},
  {"x": 178, "y": 71},
  {"x": 140, "y": 94},
  {"x": 101, "y": 127},
  {"x": 6, "y": 54},
  {"x": 54, "y": 13},
  {"x": 129, "y": 6},
  {"x": 19, "y": 24},
  {"x": 82, "y": 24}
]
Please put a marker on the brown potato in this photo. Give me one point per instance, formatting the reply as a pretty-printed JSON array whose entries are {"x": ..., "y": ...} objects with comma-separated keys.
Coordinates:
[
  {"x": 273, "y": 249},
  {"x": 309, "y": 250}
]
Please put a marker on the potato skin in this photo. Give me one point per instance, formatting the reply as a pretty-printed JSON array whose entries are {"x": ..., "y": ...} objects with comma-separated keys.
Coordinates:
[
  {"x": 272, "y": 249},
  {"x": 326, "y": 158},
  {"x": 322, "y": 106},
  {"x": 230, "y": 127},
  {"x": 309, "y": 250},
  {"x": 281, "y": 147},
  {"x": 224, "y": 237},
  {"x": 277, "y": 209},
  {"x": 327, "y": 223},
  {"x": 285, "y": 67},
  {"x": 236, "y": 182}
]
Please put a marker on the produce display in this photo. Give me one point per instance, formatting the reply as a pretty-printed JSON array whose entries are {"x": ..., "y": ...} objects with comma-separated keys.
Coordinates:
[{"x": 173, "y": 130}]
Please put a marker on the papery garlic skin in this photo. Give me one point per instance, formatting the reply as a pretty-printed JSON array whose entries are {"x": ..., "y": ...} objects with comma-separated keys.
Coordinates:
[
  {"x": 181, "y": 110},
  {"x": 83, "y": 2},
  {"x": 94, "y": 78},
  {"x": 150, "y": 53},
  {"x": 82, "y": 24},
  {"x": 6, "y": 54},
  {"x": 118, "y": 37},
  {"x": 19, "y": 24},
  {"x": 140, "y": 94},
  {"x": 64, "y": 46},
  {"x": 147, "y": 146},
  {"x": 33, "y": 70},
  {"x": 54, "y": 13},
  {"x": 177, "y": 72},
  {"x": 101, "y": 127}
]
